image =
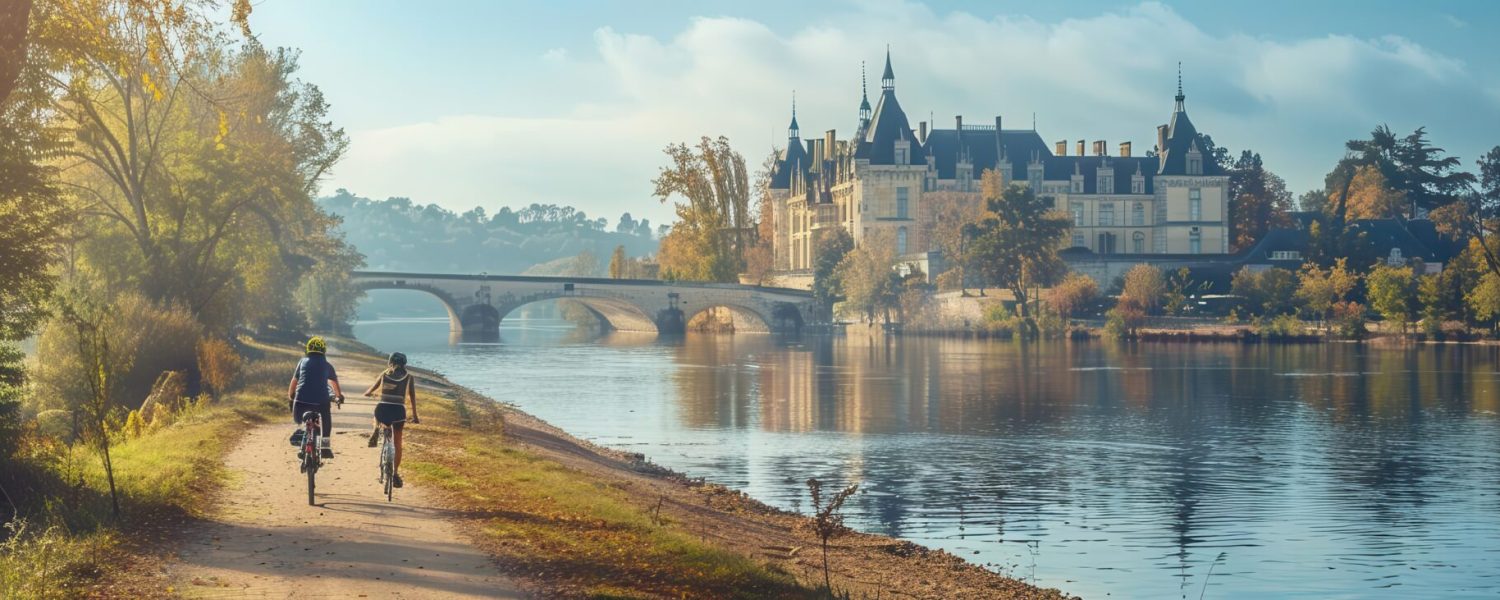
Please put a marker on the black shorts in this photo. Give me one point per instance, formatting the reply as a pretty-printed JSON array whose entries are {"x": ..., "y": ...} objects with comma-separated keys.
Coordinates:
[
  {"x": 390, "y": 413},
  {"x": 325, "y": 410}
]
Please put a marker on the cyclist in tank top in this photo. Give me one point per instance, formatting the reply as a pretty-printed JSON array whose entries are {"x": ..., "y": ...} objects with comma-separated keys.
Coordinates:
[{"x": 396, "y": 386}]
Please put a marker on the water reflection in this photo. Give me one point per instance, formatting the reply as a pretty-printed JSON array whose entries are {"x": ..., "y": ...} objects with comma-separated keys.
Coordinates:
[{"x": 1125, "y": 469}]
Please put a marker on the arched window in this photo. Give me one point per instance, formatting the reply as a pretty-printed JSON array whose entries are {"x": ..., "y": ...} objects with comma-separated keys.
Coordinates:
[
  {"x": 901, "y": 241},
  {"x": 1138, "y": 214},
  {"x": 1138, "y": 241}
]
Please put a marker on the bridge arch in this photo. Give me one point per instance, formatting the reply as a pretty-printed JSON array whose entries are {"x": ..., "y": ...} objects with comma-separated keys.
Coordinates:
[{"x": 745, "y": 319}]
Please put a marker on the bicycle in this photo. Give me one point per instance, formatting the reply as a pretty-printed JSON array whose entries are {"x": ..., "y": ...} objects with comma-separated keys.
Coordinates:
[
  {"x": 311, "y": 453},
  {"x": 387, "y": 459}
]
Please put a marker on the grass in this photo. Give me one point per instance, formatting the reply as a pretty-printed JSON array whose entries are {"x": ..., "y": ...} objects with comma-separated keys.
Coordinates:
[
  {"x": 548, "y": 522},
  {"x": 65, "y": 541}
]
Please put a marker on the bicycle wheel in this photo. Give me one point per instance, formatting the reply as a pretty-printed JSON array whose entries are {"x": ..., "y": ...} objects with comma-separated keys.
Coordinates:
[
  {"x": 388, "y": 467},
  {"x": 311, "y": 459}
]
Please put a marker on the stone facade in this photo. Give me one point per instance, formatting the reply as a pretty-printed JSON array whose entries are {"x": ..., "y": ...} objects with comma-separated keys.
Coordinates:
[{"x": 1172, "y": 201}]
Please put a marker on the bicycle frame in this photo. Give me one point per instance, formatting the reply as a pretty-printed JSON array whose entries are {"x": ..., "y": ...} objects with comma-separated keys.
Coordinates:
[
  {"x": 312, "y": 444},
  {"x": 387, "y": 459}
]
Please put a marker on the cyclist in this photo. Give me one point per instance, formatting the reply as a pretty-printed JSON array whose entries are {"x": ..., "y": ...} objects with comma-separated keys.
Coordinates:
[
  {"x": 314, "y": 387},
  {"x": 396, "y": 387}
]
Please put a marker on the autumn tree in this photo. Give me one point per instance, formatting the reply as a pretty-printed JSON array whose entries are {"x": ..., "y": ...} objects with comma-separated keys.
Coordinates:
[
  {"x": 1072, "y": 294},
  {"x": 1014, "y": 243},
  {"x": 618, "y": 263},
  {"x": 760, "y": 256},
  {"x": 1370, "y": 197},
  {"x": 868, "y": 277},
  {"x": 708, "y": 240},
  {"x": 945, "y": 215},
  {"x": 1319, "y": 289},
  {"x": 1144, "y": 287},
  {"x": 1265, "y": 292}
]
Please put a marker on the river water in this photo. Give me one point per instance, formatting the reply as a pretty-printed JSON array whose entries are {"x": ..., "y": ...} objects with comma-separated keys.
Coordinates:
[{"x": 1103, "y": 469}]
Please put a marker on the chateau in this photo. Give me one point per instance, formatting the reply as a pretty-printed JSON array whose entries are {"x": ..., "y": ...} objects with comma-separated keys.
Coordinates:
[{"x": 1170, "y": 201}]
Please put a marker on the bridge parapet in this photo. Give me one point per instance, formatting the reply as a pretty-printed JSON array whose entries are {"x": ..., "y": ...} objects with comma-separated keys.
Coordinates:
[{"x": 477, "y": 303}]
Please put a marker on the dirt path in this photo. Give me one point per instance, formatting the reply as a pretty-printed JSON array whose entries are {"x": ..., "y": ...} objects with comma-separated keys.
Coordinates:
[{"x": 265, "y": 541}]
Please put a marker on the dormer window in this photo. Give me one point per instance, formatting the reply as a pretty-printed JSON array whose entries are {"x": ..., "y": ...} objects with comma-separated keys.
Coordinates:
[
  {"x": 1138, "y": 185},
  {"x": 1078, "y": 185},
  {"x": 1395, "y": 259},
  {"x": 903, "y": 152},
  {"x": 1195, "y": 165},
  {"x": 1106, "y": 184}
]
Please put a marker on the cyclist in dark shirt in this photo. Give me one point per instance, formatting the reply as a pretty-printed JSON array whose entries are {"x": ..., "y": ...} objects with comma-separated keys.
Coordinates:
[
  {"x": 314, "y": 387},
  {"x": 396, "y": 387}
]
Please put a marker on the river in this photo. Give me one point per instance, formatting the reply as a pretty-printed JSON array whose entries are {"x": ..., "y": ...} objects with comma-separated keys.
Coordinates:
[{"x": 1103, "y": 469}]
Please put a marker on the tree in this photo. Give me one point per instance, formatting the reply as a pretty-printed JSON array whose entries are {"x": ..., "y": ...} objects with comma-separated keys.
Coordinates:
[
  {"x": 868, "y": 277},
  {"x": 618, "y": 262},
  {"x": 830, "y": 246},
  {"x": 1411, "y": 167},
  {"x": 1370, "y": 197},
  {"x": 1258, "y": 201},
  {"x": 1268, "y": 292},
  {"x": 1144, "y": 287},
  {"x": 713, "y": 222},
  {"x": 1484, "y": 299},
  {"x": 1392, "y": 293},
  {"x": 1072, "y": 294},
  {"x": 586, "y": 264},
  {"x": 103, "y": 366},
  {"x": 945, "y": 216},
  {"x": 1014, "y": 244},
  {"x": 1319, "y": 289},
  {"x": 760, "y": 257}
]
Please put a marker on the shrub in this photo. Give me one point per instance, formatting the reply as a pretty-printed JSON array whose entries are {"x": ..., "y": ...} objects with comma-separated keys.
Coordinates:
[
  {"x": 1144, "y": 286},
  {"x": 1350, "y": 319},
  {"x": 157, "y": 338},
  {"x": 1280, "y": 326},
  {"x": 1074, "y": 293},
  {"x": 1122, "y": 321},
  {"x": 218, "y": 364}
]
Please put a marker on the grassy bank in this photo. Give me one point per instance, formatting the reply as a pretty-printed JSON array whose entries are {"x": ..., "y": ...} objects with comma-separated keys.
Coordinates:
[
  {"x": 66, "y": 542},
  {"x": 566, "y": 531}
]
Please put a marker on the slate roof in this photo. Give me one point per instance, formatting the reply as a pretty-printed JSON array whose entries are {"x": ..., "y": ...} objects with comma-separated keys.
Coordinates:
[
  {"x": 794, "y": 159},
  {"x": 943, "y": 146},
  {"x": 887, "y": 125},
  {"x": 1180, "y": 137},
  {"x": 1060, "y": 168}
]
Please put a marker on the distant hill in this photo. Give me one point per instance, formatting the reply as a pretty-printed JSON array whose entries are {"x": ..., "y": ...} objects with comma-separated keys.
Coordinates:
[{"x": 397, "y": 235}]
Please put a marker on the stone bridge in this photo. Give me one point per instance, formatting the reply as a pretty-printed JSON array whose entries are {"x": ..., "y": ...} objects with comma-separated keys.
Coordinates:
[{"x": 477, "y": 303}]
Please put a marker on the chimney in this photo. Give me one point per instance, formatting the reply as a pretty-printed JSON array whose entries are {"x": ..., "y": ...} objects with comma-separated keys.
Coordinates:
[
  {"x": 1080, "y": 148},
  {"x": 958, "y": 123},
  {"x": 830, "y": 138},
  {"x": 922, "y": 132},
  {"x": 999, "y": 143},
  {"x": 1161, "y": 140},
  {"x": 1062, "y": 148},
  {"x": 1098, "y": 147},
  {"x": 812, "y": 150},
  {"x": 1124, "y": 149}
]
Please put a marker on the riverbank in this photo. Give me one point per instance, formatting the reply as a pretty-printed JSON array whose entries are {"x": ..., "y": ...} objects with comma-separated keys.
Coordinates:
[{"x": 568, "y": 519}]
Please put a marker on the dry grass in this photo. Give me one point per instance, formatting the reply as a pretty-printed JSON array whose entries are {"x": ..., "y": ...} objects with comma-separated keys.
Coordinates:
[{"x": 551, "y": 524}]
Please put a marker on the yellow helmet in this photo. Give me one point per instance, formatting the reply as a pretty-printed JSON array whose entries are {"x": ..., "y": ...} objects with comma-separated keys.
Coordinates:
[{"x": 316, "y": 345}]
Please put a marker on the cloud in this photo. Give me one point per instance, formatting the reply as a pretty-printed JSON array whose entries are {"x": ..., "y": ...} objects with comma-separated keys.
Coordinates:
[{"x": 1106, "y": 76}]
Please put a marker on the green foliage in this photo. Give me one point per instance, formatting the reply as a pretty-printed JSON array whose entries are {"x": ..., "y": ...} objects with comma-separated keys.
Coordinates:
[
  {"x": 1180, "y": 287},
  {"x": 1280, "y": 327},
  {"x": 870, "y": 283},
  {"x": 1392, "y": 294},
  {"x": 1258, "y": 200},
  {"x": 1484, "y": 299},
  {"x": 1266, "y": 292},
  {"x": 617, "y": 263},
  {"x": 149, "y": 338},
  {"x": 1124, "y": 320},
  {"x": 1014, "y": 243},
  {"x": 831, "y": 245},
  {"x": 1318, "y": 289}
]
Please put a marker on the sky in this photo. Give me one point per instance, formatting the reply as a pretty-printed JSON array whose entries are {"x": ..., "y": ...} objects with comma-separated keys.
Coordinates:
[{"x": 488, "y": 104}]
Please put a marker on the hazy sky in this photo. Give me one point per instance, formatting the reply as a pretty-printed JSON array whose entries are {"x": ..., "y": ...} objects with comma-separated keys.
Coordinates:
[{"x": 490, "y": 104}]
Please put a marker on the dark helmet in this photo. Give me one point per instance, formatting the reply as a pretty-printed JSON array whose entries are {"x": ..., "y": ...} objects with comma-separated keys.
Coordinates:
[{"x": 398, "y": 360}]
